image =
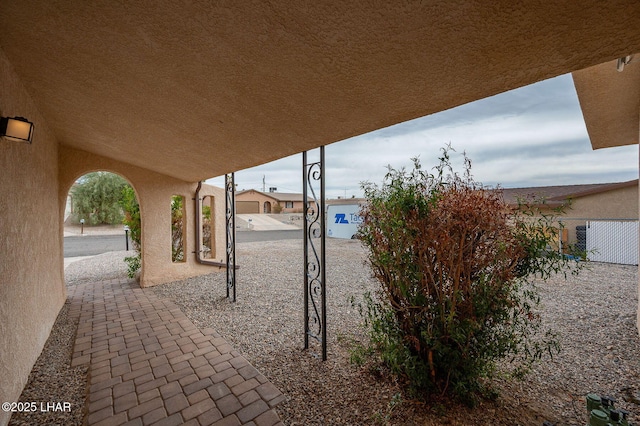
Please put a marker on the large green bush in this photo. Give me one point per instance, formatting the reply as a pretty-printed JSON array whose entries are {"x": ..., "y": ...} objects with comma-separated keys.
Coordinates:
[
  {"x": 96, "y": 198},
  {"x": 455, "y": 267}
]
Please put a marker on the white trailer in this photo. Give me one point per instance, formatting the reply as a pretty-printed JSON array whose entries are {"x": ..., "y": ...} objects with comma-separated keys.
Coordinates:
[{"x": 343, "y": 220}]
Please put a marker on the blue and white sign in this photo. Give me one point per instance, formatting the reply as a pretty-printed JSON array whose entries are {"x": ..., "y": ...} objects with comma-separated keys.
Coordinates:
[{"x": 343, "y": 220}]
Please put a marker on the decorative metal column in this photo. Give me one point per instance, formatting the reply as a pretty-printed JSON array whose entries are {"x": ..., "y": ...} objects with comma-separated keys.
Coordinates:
[
  {"x": 315, "y": 319},
  {"x": 230, "y": 215}
]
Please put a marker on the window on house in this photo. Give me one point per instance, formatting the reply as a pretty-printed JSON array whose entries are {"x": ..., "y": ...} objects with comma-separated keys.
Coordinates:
[{"x": 288, "y": 204}]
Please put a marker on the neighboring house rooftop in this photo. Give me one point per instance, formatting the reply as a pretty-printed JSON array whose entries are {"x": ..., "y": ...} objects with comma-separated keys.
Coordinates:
[
  {"x": 557, "y": 195},
  {"x": 340, "y": 201},
  {"x": 278, "y": 196}
]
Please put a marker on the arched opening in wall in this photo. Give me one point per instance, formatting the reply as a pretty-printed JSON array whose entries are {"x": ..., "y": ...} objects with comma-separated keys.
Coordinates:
[
  {"x": 208, "y": 228},
  {"x": 102, "y": 229},
  {"x": 267, "y": 207},
  {"x": 178, "y": 224}
]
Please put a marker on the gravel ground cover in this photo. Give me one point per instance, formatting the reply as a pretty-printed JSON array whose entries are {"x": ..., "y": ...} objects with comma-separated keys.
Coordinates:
[
  {"x": 594, "y": 314},
  {"x": 53, "y": 380},
  {"x": 105, "y": 266}
]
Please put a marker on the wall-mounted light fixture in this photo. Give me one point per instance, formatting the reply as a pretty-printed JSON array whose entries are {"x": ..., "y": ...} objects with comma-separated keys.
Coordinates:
[{"x": 18, "y": 128}]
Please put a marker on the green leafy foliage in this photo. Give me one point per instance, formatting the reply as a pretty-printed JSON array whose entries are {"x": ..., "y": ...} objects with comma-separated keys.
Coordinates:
[
  {"x": 131, "y": 208},
  {"x": 96, "y": 198},
  {"x": 177, "y": 227},
  {"x": 206, "y": 213},
  {"x": 206, "y": 230},
  {"x": 133, "y": 264},
  {"x": 456, "y": 268}
]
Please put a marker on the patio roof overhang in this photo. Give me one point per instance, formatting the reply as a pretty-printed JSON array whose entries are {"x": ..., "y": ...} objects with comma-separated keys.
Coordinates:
[
  {"x": 610, "y": 102},
  {"x": 198, "y": 89}
]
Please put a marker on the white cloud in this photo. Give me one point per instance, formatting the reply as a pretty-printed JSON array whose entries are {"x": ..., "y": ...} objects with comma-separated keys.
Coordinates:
[{"x": 532, "y": 136}]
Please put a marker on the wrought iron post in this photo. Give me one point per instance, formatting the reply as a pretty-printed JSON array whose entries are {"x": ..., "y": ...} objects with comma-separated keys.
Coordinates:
[
  {"x": 230, "y": 215},
  {"x": 315, "y": 319}
]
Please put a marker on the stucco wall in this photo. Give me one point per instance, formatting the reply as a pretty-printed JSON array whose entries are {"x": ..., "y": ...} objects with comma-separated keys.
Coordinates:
[
  {"x": 298, "y": 207},
  {"x": 154, "y": 192},
  {"x": 621, "y": 203},
  {"x": 32, "y": 287}
]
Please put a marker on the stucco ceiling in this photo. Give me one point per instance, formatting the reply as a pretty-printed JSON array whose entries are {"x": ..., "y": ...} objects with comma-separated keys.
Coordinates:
[
  {"x": 195, "y": 89},
  {"x": 610, "y": 102}
]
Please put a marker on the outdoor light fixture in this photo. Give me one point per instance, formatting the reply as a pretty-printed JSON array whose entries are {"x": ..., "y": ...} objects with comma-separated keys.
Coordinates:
[{"x": 18, "y": 128}]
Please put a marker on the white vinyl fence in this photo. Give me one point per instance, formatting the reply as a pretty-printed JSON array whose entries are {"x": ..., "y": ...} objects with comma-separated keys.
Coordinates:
[{"x": 612, "y": 241}]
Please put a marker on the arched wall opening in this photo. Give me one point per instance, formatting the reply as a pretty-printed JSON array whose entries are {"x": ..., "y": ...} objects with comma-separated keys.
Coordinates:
[
  {"x": 154, "y": 192},
  {"x": 102, "y": 215}
]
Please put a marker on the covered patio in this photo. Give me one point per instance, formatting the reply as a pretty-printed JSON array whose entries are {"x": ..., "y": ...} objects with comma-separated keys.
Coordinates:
[{"x": 169, "y": 94}]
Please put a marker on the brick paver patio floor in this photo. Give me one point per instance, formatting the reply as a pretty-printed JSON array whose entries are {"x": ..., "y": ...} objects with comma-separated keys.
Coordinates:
[{"x": 150, "y": 365}]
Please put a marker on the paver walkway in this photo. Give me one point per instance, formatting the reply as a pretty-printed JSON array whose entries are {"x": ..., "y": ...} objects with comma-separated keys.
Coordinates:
[{"x": 150, "y": 365}]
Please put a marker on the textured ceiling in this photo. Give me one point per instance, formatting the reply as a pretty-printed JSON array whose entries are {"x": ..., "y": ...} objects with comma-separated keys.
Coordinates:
[
  {"x": 195, "y": 89},
  {"x": 610, "y": 102}
]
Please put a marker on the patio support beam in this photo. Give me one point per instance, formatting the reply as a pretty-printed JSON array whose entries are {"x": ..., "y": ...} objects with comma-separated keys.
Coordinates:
[
  {"x": 230, "y": 216},
  {"x": 315, "y": 319}
]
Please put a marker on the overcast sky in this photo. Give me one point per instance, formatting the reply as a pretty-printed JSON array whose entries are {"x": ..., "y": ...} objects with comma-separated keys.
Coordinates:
[{"x": 532, "y": 136}]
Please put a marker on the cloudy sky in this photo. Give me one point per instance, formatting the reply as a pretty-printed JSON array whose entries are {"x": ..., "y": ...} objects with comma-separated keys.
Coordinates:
[{"x": 532, "y": 136}]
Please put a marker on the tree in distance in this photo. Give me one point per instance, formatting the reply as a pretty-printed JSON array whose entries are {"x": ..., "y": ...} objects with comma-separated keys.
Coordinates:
[{"x": 96, "y": 198}]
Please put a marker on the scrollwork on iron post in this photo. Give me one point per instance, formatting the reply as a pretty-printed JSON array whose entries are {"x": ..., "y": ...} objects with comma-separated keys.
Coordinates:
[
  {"x": 315, "y": 319},
  {"x": 230, "y": 216}
]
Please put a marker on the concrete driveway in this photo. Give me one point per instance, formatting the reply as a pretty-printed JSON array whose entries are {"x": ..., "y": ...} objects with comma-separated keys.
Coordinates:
[{"x": 261, "y": 222}]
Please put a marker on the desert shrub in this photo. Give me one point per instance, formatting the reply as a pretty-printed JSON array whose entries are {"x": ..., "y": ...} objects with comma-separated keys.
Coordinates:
[
  {"x": 133, "y": 264},
  {"x": 455, "y": 267}
]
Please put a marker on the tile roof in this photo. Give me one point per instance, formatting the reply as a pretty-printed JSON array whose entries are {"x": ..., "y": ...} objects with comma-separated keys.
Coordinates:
[
  {"x": 279, "y": 196},
  {"x": 556, "y": 195}
]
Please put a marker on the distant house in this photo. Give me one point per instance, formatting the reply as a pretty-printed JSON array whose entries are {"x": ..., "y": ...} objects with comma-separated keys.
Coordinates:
[
  {"x": 253, "y": 201},
  {"x": 581, "y": 203},
  {"x": 595, "y": 201}
]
